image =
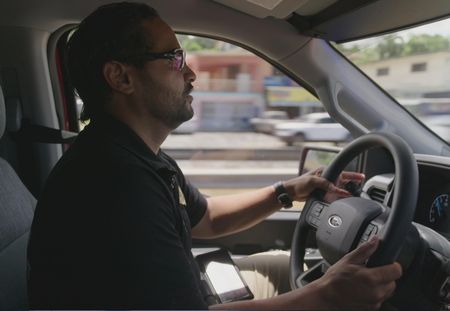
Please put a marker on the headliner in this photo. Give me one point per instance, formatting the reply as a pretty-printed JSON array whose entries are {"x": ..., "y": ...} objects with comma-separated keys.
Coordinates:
[{"x": 332, "y": 20}]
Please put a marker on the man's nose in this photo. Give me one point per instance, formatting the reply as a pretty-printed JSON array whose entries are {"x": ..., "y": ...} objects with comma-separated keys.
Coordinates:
[{"x": 189, "y": 75}]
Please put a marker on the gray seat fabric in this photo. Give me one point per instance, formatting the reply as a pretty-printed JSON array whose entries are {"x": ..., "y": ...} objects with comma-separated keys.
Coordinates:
[{"x": 16, "y": 214}]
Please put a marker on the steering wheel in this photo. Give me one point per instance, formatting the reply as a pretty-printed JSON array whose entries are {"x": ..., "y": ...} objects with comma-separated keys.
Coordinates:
[{"x": 342, "y": 225}]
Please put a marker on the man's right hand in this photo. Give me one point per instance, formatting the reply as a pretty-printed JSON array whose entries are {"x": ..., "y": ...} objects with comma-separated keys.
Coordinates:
[
  {"x": 347, "y": 285},
  {"x": 350, "y": 285}
]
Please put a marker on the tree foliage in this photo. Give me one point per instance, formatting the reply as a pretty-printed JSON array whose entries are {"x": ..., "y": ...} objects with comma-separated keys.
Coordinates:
[
  {"x": 194, "y": 43},
  {"x": 392, "y": 46},
  {"x": 427, "y": 44},
  {"x": 198, "y": 44}
]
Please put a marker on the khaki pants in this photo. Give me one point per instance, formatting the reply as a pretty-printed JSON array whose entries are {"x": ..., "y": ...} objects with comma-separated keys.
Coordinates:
[{"x": 267, "y": 274}]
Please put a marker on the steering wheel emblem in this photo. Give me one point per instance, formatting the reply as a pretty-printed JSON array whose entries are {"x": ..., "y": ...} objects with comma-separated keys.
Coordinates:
[{"x": 335, "y": 221}]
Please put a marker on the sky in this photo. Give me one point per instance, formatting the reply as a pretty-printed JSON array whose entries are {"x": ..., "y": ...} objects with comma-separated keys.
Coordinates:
[{"x": 441, "y": 28}]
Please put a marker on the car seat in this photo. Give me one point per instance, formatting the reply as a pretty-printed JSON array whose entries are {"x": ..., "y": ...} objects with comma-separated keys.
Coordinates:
[{"x": 16, "y": 214}]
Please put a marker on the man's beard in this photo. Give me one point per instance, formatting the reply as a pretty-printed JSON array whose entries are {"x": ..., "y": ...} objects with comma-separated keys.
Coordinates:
[{"x": 172, "y": 110}]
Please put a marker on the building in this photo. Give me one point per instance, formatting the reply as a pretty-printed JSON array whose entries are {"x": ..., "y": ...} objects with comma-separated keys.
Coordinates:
[
  {"x": 415, "y": 76},
  {"x": 235, "y": 85},
  {"x": 235, "y": 70}
]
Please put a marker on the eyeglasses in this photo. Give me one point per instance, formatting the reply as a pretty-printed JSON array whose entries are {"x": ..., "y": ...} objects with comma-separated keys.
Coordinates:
[{"x": 177, "y": 58}]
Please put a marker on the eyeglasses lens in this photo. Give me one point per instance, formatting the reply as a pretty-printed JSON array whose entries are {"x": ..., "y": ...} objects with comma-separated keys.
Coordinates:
[{"x": 178, "y": 61}]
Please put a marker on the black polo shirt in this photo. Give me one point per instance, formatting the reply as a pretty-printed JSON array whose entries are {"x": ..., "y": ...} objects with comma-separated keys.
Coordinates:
[{"x": 111, "y": 229}]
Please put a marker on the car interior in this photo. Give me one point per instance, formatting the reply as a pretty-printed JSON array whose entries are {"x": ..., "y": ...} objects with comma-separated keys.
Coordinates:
[{"x": 404, "y": 199}]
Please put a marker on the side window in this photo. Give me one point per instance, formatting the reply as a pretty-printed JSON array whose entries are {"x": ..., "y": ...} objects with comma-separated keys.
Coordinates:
[
  {"x": 68, "y": 104},
  {"x": 250, "y": 121},
  {"x": 245, "y": 132}
]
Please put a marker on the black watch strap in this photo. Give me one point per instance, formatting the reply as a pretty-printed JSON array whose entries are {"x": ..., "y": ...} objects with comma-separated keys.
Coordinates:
[{"x": 282, "y": 195}]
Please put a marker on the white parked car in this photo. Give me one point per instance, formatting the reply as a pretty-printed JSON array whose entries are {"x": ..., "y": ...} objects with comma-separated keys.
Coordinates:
[
  {"x": 267, "y": 122},
  {"x": 312, "y": 127}
]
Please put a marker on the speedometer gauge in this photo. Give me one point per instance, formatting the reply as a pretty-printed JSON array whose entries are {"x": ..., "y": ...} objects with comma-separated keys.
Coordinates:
[{"x": 438, "y": 209}]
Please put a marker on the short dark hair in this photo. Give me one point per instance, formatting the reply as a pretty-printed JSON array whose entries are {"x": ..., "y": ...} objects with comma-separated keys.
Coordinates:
[{"x": 111, "y": 32}]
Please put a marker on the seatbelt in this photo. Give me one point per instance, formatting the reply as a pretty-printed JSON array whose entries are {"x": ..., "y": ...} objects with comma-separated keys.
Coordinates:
[
  {"x": 42, "y": 134},
  {"x": 21, "y": 128}
]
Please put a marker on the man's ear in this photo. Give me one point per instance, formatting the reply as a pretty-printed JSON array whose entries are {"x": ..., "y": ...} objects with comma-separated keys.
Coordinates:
[{"x": 117, "y": 75}]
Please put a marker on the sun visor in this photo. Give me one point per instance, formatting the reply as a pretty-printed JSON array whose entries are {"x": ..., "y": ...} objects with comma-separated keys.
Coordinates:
[
  {"x": 356, "y": 19},
  {"x": 276, "y": 8}
]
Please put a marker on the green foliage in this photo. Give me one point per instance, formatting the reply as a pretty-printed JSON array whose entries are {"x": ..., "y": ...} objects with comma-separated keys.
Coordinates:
[
  {"x": 357, "y": 54},
  {"x": 427, "y": 44},
  {"x": 194, "y": 44},
  {"x": 392, "y": 46},
  {"x": 198, "y": 44}
]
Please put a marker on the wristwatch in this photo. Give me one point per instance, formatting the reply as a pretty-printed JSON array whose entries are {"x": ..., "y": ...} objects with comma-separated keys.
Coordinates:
[{"x": 282, "y": 196}]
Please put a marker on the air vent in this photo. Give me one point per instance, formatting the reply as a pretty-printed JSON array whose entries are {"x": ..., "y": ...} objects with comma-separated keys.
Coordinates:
[{"x": 377, "y": 194}]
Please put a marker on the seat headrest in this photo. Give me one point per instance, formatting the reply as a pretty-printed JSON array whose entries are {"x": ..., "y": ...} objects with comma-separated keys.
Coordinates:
[{"x": 2, "y": 113}]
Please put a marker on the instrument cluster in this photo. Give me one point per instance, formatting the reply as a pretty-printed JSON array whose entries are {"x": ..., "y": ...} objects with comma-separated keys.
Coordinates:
[{"x": 433, "y": 208}]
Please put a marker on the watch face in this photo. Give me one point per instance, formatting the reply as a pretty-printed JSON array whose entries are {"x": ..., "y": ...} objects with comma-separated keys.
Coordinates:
[
  {"x": 285, "y": 200},
  {"x": 282, "y": 196}
]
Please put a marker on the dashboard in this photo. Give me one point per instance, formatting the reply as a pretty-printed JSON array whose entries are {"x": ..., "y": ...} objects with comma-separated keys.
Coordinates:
[
  {"x": 433, "y": 202},
  {"x": 425, "y": 249}
]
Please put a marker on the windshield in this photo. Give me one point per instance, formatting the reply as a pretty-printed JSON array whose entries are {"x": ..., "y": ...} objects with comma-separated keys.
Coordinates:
[{"x": 413, "y": 66}]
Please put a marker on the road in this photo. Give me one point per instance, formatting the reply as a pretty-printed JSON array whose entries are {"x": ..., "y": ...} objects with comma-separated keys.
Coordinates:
[
  {"x": 221, "y": 163},
  {"x": 223, "y": 140},
  {"x": 229, "y": 162}
]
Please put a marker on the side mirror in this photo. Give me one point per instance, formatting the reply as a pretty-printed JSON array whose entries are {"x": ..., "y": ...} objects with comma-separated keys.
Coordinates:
[{"x": 313, "y": 157}]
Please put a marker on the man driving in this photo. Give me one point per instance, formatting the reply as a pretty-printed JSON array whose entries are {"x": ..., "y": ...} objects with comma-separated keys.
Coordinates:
[{"x": 113, "y": 226}]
